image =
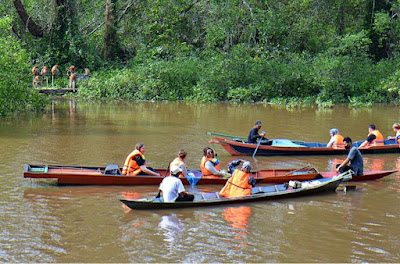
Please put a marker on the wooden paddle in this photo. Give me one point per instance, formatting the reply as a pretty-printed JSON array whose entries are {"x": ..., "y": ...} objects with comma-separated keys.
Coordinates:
[
  {"x": 258, "y": 145},
  {"x": 255, "y": 151}
]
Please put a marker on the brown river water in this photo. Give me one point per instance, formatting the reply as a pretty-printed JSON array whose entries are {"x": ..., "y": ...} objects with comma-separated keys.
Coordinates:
[{"x": 43, "y": 222}]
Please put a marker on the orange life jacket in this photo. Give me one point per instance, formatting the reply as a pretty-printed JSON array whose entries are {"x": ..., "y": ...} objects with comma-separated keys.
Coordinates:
[
  {"x": 339, "y": 141},
  {"x": 237, "y": 185},
  {"x": 206, "y": 172},
  {"x": 378, "y": 141},
  {"x": 131, "y": 168}
]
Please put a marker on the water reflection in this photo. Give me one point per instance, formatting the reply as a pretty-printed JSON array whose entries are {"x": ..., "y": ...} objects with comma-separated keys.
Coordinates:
[
  {"x": 238, "y": 219},
  {"x": 128, "y": 195},
  {"x": 171, "y": 227},
  {"x": 374, "y": 163}
]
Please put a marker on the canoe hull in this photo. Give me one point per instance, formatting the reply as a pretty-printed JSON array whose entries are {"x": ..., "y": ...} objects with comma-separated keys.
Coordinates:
[
  {"x": 241, "y": 148},
  {"x": 80, "y": 175},
  {"x": 276, "y": 192}
]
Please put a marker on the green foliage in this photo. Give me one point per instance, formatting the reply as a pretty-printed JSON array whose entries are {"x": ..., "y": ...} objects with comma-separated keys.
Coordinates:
[
  {"x": 321, "y": 51},
  {"x": 14, "y": 75}
]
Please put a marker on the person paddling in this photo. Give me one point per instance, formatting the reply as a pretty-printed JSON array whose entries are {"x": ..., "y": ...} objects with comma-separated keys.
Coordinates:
[
  {"x": 135, "y": 163},
  {"x": 253, "y": 134}
]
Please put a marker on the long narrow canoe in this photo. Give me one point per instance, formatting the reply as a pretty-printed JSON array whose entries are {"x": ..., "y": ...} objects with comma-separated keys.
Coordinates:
[
  {"x": 238, "y": 146},
  {"x": 83, "y": 175},
  {"x": 257, "y": 194}
]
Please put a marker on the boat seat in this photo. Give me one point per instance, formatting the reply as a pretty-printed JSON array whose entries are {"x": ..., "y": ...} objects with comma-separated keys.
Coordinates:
[
  {"x": 198, "y": 197},
  {"x": 264, "y": 189},
  {"x": 112, "y": 169},
  {"x": 210, "y": 196},
  {"x": 281, "y": 187}
]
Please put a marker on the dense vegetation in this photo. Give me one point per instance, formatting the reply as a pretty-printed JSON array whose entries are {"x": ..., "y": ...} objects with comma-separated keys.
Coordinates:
[{"x": 290, "y": 51}]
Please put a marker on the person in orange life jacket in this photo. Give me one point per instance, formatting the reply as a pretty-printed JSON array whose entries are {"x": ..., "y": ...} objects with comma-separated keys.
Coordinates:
[
  {"x": 209, "y": 165},
  {"x": 172, "y": 190},
  {"x": 374, "y": 138},
  {"x": 238, "y": 185},
  {"x": 253, "y": 134},
  {"x": 135, "y": 163},
  {"x": 177, "y": 167},
  {"x": 396, "y": 129},
  {"x": 336, "y": 139}
]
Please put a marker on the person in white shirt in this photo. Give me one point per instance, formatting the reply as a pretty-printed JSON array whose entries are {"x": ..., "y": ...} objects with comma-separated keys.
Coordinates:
[{"x": 171, "y": 186}]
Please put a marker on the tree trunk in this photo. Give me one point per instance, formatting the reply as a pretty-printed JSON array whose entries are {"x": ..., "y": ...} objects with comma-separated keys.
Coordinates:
[
  {"x": 110, "y": 32},
  {"x": 32, "y": 27}
]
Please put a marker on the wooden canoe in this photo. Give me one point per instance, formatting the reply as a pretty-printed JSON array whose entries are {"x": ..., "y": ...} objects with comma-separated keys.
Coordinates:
[
  {"x": 84, "y": 175},
  {"x": 257, "y": 194},
  {"x": 237, "y": 146}
]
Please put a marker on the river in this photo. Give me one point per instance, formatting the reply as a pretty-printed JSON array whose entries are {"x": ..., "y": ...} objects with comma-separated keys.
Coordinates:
[{"x": 43, "y": 222}]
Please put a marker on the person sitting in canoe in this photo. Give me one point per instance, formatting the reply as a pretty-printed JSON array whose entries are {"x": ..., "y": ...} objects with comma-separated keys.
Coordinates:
[
  {"x": 374, "y": 138},
  {"x": 354, "y": 158},
  {"x": 336, "y": 139},
  {"x": 135, "y": 163},
  {"x": 238, "y": 184},
  {"x": 210, "y": 166},
  {"x": 173, "y": 191},
  {"x": 396, "y": 129},
  {"x": 253, "y": 134},
  {"x": 177, "y": 167}
]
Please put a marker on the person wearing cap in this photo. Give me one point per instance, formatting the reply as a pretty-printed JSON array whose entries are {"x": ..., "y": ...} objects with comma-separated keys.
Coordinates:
[
  {"x": 375, "y": 138},
  {"x": 396, "y": 129},
  {"x": 354, "y": 159},
  {"x": 172, "y": 190},
  {"x": 210, "y": 166},
  {"x": 253, "y": 134},
  {"x": 238, "y": 184},
  {"x": 177, "y": 167},
  {"x": 336, "y": 139}
]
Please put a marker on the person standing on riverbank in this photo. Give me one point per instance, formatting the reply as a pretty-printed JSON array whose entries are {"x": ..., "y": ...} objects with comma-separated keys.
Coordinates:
[{"x": 135, "y": 163}]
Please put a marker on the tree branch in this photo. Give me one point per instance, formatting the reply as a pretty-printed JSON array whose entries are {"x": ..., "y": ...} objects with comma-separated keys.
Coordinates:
[{"x": 32, "y": 27}]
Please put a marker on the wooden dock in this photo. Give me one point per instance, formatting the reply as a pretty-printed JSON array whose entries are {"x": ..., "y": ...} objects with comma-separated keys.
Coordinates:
[{"x": 47, "y": 90}]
